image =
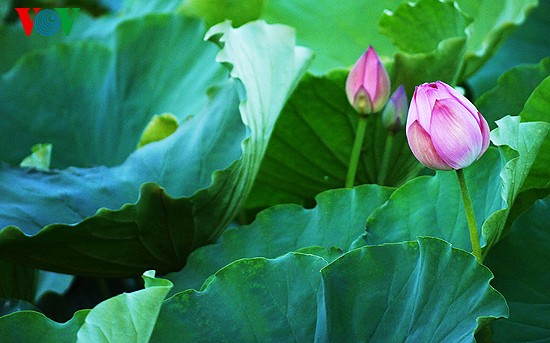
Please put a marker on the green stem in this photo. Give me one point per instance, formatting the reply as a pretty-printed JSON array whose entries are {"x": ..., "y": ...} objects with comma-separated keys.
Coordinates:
[
  {"x": 356, "y": 151},
  {"x": 386, "y": 158},
  {"x": 469, "y": 209}
]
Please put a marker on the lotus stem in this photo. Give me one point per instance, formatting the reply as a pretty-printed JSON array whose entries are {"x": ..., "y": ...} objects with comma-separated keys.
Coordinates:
[
  {"x": 356, "y": 151},
  {"x": 469, "y": 209}
]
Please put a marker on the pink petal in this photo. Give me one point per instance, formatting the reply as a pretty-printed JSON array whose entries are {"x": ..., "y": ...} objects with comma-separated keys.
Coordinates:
[
  {"x": 355, "y": 78},
  {"x": 455, "y": 133},
  {"x": 440, "y": 90},
  {"x": 485, "y": 134},
  {"x": 459, "y": 97},
  {"x": 423, "y": 148},
  {"x": 376, "y": 81},
  {"x": 424, "y": 105},
  {"x": 412, "y": 116},
  {"x": 370, "y": 77}
]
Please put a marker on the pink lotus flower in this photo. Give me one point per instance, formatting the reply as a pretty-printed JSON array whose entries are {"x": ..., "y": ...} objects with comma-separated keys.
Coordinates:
[
  {"x": 368, "y": 84},
  {"x": 444, "y": 129}
]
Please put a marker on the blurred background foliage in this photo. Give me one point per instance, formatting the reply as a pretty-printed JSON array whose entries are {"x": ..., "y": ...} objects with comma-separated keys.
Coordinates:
[{"x": 58, "y": 296}]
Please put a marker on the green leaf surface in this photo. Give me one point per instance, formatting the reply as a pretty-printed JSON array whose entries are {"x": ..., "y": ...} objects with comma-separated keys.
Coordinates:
[
  {"x": 52, "y": 282},
  {"x": 525, "y": 45},
  {"x": 441, "y": 64},
  {"x": 158, "y": 230},
  {"x": 442, "y": 20},
  {"x": 311, "y": 146},
  {"x": 39, "y": 158},
  {"x": 527, "y": 139},
  {"x": 24, "y": 283},
  {"x": 83, "y": 112},
  {"x": 494, "y": 183},
  {"x": 351, "y": 31},
  {"x": 431, "y": 37},
  {"x": 493, "y": 23},
  {"x": 128, "y": 317},
  {"x": 513, "y": 89},
  {"x": 423, "y": 291},
  {"x": 8, "y": 306},
  {"x": 432, "y": 206},
  {"x": 160, "y": 127},
  {"x": 337, "y": 220},
  {"x": 17, "y": 282},
  {"x": 216, "y": 11},
  {"x": 356, "y": 26},
  {"x": 86, "y": 28},
  {"x": 327, "y": 254},
  {"x": 118, "y": 242},
  {"x": 138, "y": 8},
  {"x": 31, "y": 326},
  {"x": 4, "y": 8},
  {"x": 519, "y": 263},
  {"x": 536, "y": 109},
  {"x": 250, "y": 300}
]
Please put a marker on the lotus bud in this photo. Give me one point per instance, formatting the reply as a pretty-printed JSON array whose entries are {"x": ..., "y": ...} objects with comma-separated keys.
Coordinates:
[
  {"x": 368, "y": 84},
  {"x": 395, "y": 112},
  {"x": 444, "y": 129}
]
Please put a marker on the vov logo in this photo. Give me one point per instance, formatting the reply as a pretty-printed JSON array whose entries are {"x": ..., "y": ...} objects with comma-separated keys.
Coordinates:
[{"x": 47, "y": 22}]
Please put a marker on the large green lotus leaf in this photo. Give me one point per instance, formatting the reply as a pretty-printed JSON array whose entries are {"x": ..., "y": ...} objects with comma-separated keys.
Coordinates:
[
  {"x": 16, "y": 44},
  {"x": 95, "y": 7},
  {"x": 4, "y": 9},
  {"x": 31, "y": 326},
  {"x": 17, "y": 282},
  {"x": 352, "y": 30},
  {"x": 128, "y": 317},
  {"x": 442, "y": 20},
  {"x": 425, "y": 291},
  {"x": 432, "y": 206},
  {"x": 520, "y": 264},
  {"x": 156, "y": 231},
  {"x": 250, "y": 300},
  {"x": 24, "y": 283},
  {"x": 529, "y": 140},
  {"x": 536, "y": 109},
  {"x": 137, "y": 7},
  {"x": 525, "y": 45},
  {"x": 494, "y": 182},
  {"x": 311, "y": 146},
  {"x": 215, "y": 11},
  {"x": 431, "y": 37},
  {"x": 493, "y": 22},
  {"x": 442, "y": 64},
  {"x": 153, "y": 229},
  {"x": 337, "y": 220},
  {"x": 48, "y": 97},
  {"x": 49, "y": 282},
  {"x": 510, "y": 97},
  {"x": 513, "y": 89},
  {"x": 337, "y": 40},
  {"x": 356, "y": 26}
]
